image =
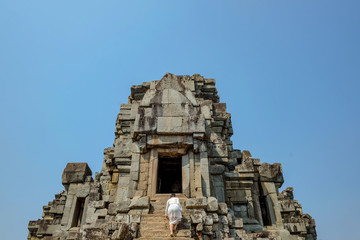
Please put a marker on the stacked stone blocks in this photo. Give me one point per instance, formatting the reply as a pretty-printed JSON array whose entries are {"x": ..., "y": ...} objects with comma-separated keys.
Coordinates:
[{"x": 227, "y": 193}]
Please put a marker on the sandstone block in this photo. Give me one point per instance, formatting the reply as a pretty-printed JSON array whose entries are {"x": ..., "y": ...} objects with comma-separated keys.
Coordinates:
[
  {"x": 271, "y": 172},
  {"x": 295, "y": 227},
  {"x": 122, "y": 207},
  {"x": 122, "y": 147},
  {"x": 238, "y": 223},
  {"x": 218, "y": 150},
  {"x": 122, "y": 218},
  {"x": 287, "y": 206},
  {"x": 99, "y": 204},
  {"x": 223, "y": 209},
  {"x": 196, "y": 218},
  {"x": 215, "y": 218},
  {"x": 75, "y": 173},
  {"x": 135, "y": 218},
  {"x": 217, "y": 169},
  {"x": 246, "y": 165},
  {"x": 122, "y": 161},
  {"x": 123, "y": 233},
  {"x": 252, "y": 228},
  {"x": 134, "y": 228},
  {"x": 83, "y": 191},
  {"x": 212, "y": 204},
  {"x": 199, "y": 227},
  {"x": 207, "y": 230},
  {"x": 230, "y": 217},
  {"x": 101, "y": 212},
  {"x": 143, "y": 202},
  {"x": 223, "y": 219},
  {"x": 196, "y": 203},
  {"x": 208, "y": 221}
]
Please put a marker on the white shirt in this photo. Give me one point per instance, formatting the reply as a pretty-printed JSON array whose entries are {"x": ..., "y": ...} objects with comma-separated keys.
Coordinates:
[{"x": 173, "y": 200}]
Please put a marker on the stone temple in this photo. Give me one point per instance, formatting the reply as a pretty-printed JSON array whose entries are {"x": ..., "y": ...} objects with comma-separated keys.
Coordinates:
[{"x": 174, "y": 132}]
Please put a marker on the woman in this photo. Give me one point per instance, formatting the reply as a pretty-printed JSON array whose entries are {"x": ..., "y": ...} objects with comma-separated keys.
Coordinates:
[{"x": 173, "y": 212}]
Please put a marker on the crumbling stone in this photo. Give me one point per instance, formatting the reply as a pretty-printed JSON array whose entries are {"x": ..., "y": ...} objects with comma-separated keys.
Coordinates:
[
  {"x": 212, "y": 204},
  {"x": 143, "y": 202},
  {"x": 174, "y": 129},
  {"x": 75, "y": 173},
  {"x": 223, "y": 208},
  {"x": 196, "y": 218},
  {"x": 196, "y": 203}
]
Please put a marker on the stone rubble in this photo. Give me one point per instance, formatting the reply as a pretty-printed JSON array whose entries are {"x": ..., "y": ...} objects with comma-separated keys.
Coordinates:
[{"x": 225, "y": 192}]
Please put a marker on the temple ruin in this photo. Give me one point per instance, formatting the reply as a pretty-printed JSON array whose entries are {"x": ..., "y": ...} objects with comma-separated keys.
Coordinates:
[{"x": 173, "y": 135}]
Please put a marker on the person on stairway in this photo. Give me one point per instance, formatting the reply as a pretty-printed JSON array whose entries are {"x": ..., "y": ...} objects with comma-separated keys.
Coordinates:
[{"x": 173, "y": 212}]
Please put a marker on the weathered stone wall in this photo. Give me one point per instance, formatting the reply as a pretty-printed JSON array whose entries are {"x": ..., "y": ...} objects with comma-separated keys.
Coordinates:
[{"x": 227, "y": 194}]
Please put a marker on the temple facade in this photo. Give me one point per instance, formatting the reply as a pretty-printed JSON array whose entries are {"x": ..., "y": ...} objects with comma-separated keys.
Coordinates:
[{"x": 173, "y": 136}]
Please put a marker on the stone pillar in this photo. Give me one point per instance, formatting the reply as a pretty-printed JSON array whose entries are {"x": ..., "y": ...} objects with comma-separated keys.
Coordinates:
[
  {"x": 153, "y": 168},
  {"x": 205, "y": 175},
  {"x": 134, "y": 174},
  {"x": 185, "y": 164},
  {"x": 67, "y": 210},
  {"x": 86, "y": 205},
  {"x": 251, "y": 212},
  {"x": 198, "y": 184},
  {"x": 192, "y": 174},
  {"x": 122, "y": 188},
  {"x": 219, "y": 188}
]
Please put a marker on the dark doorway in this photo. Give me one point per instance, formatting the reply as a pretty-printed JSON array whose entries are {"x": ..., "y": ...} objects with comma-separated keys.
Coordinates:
[
  {"x": 264, "y": 211},
  {"x": 264, "y": 207},
  {"x": 78, "y": 213},
  {"x": 169, "y": 176}
]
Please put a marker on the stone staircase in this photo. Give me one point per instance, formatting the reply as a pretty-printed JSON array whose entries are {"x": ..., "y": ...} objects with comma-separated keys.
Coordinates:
[{"x": 154, "y": 226}]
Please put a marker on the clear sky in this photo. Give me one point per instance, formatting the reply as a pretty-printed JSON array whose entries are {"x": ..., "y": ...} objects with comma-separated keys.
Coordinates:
[{"x": 288, "y": 71}]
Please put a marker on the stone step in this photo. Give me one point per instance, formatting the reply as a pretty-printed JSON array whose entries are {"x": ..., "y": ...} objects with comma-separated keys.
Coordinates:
[
  {"x": 163, "y": 202},
  {"x": 151, "y": 216},
  {"x": 164, "y": 238},
  {"x": 183, "y": 223},
  {"x": 154, "y": 226},
  {"x": 163, "y": 233},
  {"x": 162, "y": 214},
  {"x": 163, "y": 225},
  {"x": 161, "y": 207},
  {"x": 162, "y": 211}
]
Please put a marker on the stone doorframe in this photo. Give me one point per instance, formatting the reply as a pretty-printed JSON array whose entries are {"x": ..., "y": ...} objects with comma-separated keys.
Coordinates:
[{"x": 187, "y": 165}]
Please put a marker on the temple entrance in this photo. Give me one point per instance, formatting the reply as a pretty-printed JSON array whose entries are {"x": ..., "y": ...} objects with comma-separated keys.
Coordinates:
[{"x": 169, "y": 177}]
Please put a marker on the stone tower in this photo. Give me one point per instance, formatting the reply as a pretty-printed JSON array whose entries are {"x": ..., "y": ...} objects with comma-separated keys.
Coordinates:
[{"x": 173, "y": 135}]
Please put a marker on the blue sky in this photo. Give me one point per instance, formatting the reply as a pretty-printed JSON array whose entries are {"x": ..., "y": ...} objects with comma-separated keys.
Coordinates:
[{"x": 288, "y": 71}]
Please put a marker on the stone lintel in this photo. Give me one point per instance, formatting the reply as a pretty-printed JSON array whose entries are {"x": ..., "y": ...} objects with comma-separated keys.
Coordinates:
[{"x": 169, "y": 141}]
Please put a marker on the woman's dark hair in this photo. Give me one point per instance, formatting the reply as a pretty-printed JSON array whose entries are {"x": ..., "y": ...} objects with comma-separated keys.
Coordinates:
[{"x": 173, "y": 195}]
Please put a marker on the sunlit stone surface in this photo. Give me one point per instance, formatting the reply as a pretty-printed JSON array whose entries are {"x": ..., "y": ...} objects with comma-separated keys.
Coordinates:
[{"x": 173, "y": 135}]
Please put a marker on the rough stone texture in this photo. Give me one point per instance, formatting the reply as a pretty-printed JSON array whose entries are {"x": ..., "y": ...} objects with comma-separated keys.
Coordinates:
[
  {"x": 196, "y": 203},
  {"x": 75, "y": 173},
  {"x": 226, "y": 193},
  {"x": 212, "y": 205},
  {"x": 143, "y": 202}
]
